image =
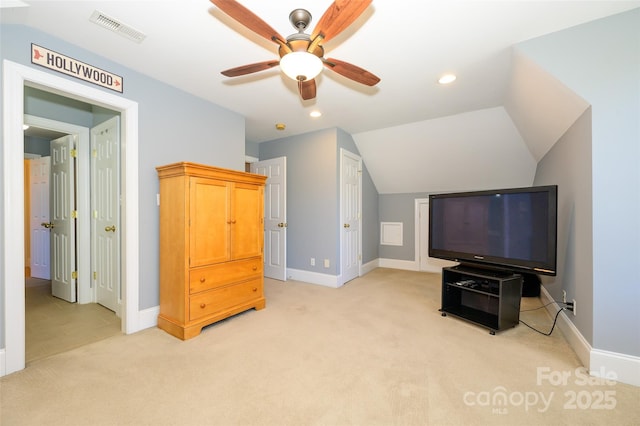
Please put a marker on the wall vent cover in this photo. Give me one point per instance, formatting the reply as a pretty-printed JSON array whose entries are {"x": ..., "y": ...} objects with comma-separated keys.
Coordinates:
[{"x": 116, "y": 26}]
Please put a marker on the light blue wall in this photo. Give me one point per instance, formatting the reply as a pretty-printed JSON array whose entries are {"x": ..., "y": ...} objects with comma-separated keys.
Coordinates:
[
  {"x": 252, "y": 149},
  {"x": 34, "y": 145},
  {"x": 600, "y": 61},
  {"x": 312, "y": 202},
  {"x": 173, "y": 126},
  {"x": 400, "y": 208},
  {"x": 568, "y": 165},
  {"x": 55, "y": 107},
  {"x": 370, "y": 218},
  {"x": 313, "y": 213}
]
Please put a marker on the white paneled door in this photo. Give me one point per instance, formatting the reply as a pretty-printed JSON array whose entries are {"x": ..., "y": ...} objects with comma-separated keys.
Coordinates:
[
  {"x": 63, "y": 216},
  {"x": 39, "y": 226},
  {"x": 105, "y": 208},
  {"x": 275, "y": 212},
  {"x": 350, "y": 178}
]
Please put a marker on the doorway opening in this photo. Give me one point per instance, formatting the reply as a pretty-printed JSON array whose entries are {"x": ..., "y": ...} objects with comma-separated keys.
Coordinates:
[
  {"x": 15, "y": 78},
  {"x": 58, "y": 320}
]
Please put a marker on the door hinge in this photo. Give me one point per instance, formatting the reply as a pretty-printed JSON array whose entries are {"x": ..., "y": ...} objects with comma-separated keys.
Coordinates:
[
  {"x": 74, "y": 275},
  {"x": 95, "y": 275},
  {"x": 74, "y": 214},
  {"x": 94, "y": 153},
  {"x": 73, "y": 153}
]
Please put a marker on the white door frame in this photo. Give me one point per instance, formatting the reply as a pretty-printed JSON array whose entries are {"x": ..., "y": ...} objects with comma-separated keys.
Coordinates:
[
  {"x": 433, "y": 264},
  {"x": 83, "y": 235},
  {"x": 15, "y": 77}
]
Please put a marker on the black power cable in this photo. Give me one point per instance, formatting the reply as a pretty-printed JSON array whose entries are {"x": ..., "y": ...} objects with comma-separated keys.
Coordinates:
[{"x": 554, "y": 320}]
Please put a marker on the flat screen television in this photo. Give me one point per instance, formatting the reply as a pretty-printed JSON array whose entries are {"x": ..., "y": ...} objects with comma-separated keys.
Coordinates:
[{"x": 508, "y": 229}]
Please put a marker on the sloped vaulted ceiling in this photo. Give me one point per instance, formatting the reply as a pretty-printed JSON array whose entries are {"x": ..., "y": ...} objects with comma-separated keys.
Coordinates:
[
  {"x": 490, "y": 148},
  {"x": 541, "y": 107},
  {"x": 475, "y": 150}
]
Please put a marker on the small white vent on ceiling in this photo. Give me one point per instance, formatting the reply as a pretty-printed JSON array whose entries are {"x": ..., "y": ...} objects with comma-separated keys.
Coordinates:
[{"x": 116, "y": 26}]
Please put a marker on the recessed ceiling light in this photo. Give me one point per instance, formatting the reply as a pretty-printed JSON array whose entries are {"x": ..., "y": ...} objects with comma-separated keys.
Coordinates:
[
  {"x": 447, "y": 78},
  {"x": 315, "y": 114}
]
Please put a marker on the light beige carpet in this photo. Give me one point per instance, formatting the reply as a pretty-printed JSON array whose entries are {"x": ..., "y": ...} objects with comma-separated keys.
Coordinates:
[
  {"x": 54, "y": 325},
  {"x": 374, "y": 352}
]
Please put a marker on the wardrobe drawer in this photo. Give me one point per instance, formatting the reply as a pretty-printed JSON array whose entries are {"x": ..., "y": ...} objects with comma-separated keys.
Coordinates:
[
  {"x": 224, "y": 298},
  {"x": 213, "y": 276}
]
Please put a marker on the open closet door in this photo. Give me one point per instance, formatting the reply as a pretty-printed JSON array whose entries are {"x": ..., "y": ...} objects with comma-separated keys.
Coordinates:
[
  {"x": 105, "y": 206},
  {"x": 63, "y": 217}
]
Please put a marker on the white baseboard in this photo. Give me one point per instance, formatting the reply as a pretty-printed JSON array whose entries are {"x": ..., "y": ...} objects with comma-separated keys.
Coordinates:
[
  {"x": 369, "y": 266},
  {"x": 313, "y": 277},
  {"x": 576, "y": 340},
  {"x": 3, "y": 364},
  {"x": 599, "y": 362},
  {"x": 625, "y": 368},
  {"x": 148, "y": 318},
  {"x": 408, "y": 265}
]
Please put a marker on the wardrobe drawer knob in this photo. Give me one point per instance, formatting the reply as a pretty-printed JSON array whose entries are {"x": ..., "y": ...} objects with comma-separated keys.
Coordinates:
[
  {"x": 203, "y": 279},
  {"x": 202, "y": 305}
]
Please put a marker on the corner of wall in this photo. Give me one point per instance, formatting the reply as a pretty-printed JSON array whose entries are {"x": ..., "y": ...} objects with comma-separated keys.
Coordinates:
[
  {"x": 600, "y": 363},
  {"x": 2, "y": 363}
]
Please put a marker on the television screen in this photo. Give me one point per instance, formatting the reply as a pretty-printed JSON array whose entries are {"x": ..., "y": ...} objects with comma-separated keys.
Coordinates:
[{"x": 512, "y": 229}]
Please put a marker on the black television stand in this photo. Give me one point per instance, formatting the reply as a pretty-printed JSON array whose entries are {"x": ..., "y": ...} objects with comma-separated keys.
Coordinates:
[{"x": 489, "y": 298}]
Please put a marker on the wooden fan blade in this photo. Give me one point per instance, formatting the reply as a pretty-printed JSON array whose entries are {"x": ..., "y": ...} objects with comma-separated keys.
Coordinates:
[
  {"x": 247, "y": 18},
  {"x": 352, "y": 72},
  {"x": 339, "y": 16},
  {"x": 248, "y": 69},
  {"x": 307, "y": 89}
]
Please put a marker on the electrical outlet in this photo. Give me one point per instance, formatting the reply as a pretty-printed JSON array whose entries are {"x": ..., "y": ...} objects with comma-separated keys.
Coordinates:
[
  {"x": 326, "y": 263},
  {"x": 564, "y": 296},
  {"x": 313, "y": 261},
  {"x": 574, "y": 307}
]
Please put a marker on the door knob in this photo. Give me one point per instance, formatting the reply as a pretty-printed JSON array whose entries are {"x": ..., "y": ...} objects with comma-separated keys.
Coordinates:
[
  {"x": 47, "y": 225},
  {"x": 346, "y": 225},
  {"x": 282, "y": 225},
  {"x": 111, "y": 228}
]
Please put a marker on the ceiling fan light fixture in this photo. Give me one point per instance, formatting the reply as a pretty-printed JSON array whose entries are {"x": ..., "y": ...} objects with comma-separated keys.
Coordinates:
[{"x": 301, "y": 66}]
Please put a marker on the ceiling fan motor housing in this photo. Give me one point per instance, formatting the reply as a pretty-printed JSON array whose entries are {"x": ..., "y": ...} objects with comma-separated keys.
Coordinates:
[{"x": 301, "y": 45}]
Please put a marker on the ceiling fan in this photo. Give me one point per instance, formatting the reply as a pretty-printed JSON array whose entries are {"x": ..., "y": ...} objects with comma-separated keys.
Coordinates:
[{"x": 301, "y": 54}]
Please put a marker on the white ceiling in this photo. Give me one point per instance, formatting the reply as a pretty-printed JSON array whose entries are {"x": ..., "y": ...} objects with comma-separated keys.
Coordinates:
[{"x": 407, "y": 43}]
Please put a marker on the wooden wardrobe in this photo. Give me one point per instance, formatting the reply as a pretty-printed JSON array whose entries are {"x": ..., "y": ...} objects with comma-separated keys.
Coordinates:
[{"x": 211, "y": 245}]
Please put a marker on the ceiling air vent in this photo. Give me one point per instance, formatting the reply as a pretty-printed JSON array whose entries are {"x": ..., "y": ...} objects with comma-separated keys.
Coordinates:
[{"x": 114, "y": 25}]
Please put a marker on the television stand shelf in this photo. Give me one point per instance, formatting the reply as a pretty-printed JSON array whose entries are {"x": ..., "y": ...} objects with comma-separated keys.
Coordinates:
[{"x": 485, "y": 297}]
